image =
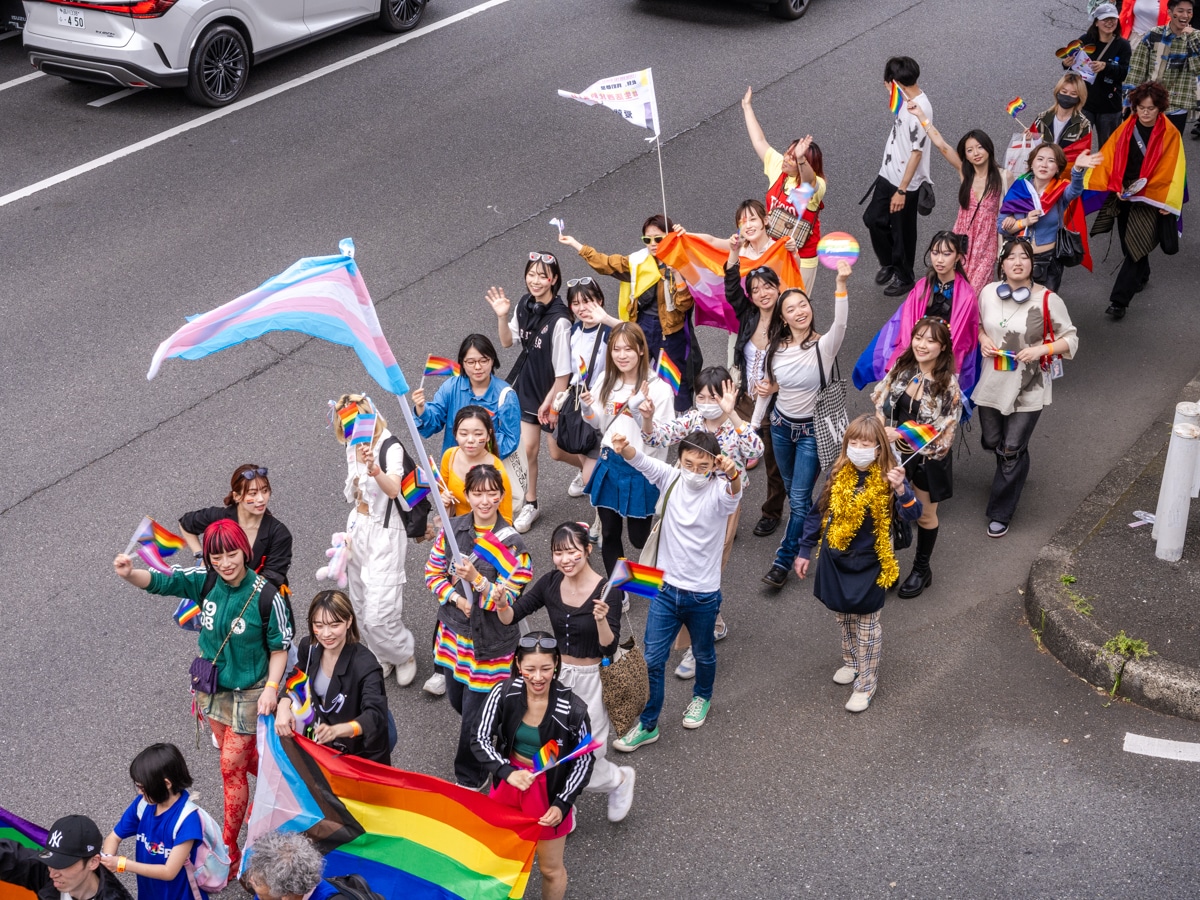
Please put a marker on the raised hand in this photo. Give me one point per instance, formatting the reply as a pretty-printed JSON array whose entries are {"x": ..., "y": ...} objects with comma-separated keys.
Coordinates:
[{"x": 500, "y": 303}]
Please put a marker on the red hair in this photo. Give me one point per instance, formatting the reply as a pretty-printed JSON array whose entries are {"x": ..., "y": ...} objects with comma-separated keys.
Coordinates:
[{"x": 225, "y": 536}]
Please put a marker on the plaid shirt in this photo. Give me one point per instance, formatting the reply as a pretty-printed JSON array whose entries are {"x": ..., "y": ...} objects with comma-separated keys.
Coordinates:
[{"x": 1171, "y": 59}]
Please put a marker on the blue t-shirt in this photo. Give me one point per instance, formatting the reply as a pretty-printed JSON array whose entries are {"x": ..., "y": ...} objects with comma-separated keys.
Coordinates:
[
  {"x": 156, "y": 838},
  {"x": 323, "y": 891}
]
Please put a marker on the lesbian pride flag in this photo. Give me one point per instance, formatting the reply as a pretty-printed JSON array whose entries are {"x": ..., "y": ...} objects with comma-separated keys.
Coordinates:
[
  {"x": 321, "y": 296},
  {"x": 24, "y": 834}
]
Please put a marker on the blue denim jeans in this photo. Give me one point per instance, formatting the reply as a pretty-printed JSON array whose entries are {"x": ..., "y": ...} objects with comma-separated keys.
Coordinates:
[
  {"x": 795, "y": 446},
  {"x": 672, "y": 609}
]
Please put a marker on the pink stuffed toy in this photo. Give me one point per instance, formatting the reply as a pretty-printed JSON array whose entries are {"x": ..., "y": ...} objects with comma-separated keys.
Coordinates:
[{"x": 338, "y": 556}]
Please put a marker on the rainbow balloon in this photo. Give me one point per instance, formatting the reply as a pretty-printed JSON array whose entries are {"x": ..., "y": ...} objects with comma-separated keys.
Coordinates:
[{"x": 835, "y": 247}]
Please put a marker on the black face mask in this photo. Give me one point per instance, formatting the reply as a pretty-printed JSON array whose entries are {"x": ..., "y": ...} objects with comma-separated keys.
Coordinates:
[
  {"x": 1066, "y": 101},
  {"x": 1005, "y": 292}
]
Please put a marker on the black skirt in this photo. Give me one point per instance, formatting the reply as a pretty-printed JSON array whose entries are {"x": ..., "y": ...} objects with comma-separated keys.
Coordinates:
[
  {"x": 846, "y": 580},
  {"x": 934, "y": 476}
]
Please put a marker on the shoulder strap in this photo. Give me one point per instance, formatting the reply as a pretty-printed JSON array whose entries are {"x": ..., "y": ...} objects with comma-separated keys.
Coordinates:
[
  {"x": 259, "y": 581},
  {"x": 592, "y": 362},
  {"x": 188, "y": 808},
  {"x": 392, "y": 501},
  {"x": 1047, "y": 324},
  {"x": 503, "y": 394}
]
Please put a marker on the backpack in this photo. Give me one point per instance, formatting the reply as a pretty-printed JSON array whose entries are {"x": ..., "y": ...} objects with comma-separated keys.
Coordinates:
[
  {"x": 415, "y": 518},
  {"x": 354, "y": 887},
  {"x": 210, "y": 872}
]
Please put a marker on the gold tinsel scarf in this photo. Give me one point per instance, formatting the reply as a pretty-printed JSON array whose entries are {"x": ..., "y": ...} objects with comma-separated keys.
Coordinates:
[{"x": 848, "y": 507}]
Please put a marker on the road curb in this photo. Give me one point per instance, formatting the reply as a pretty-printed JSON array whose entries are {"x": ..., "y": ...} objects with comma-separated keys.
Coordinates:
[{"x": 1075, "y": 639}]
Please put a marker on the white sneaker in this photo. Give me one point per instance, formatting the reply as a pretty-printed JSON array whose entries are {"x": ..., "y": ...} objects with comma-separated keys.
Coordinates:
[
  {"x": 844, "y": 675},
  {"x": 406, "y": 672},
  {"x": 620, "y": 799},
  {"x": 436, "y": 684},
  {"x": 575, "y": 489},
  {"x": 687, "y": 666},
  {"x": 526, "y": 517},
  {"x": 213, "y": 735},
  {"x": 858, "y": 701},
  {"x": 388, "y": 668}
]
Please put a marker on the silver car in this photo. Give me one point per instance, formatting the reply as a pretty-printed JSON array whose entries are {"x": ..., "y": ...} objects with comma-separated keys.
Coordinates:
[{"x": 205, "y": 47}]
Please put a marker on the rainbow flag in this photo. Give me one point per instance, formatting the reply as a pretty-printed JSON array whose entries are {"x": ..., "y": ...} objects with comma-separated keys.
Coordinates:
[
  {"x": 437, "y": 366},
  {"x": 1014, "y": 106},
  {"x": 547, "y": 757},
  {"x": 492, "y": 549},
  {"x": 26, "y": 834},
  {"x": 411, "y": 836},
  {"x": 588, "y": 744},
  {"x": 917, "y": 434},
  {"x": 1166, "y": 188},
  {"x": 1005, "y": 361},
  {"x": 895, "y": 98},
  {"x": 346, "y": 416},
  {"x": 668, "y": 371},
  {"x": 187, "y": 614},
  {"x": 1069, "y": 50},
  {"x": 582, "y": 369},
  {"x": 321, "y": 296},
  {"x": 363, "y": 429},
  {"x": 635, "y": 578},
  {"x": 150, "y": 532},
  {"x": 297, "y": 688},
  {"x": 413, "y": 488}
]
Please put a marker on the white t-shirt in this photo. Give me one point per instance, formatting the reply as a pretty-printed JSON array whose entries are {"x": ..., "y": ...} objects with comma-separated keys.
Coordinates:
[
  {"x": 582, "y": 342},
  {"x": 607, "y": 422},
  {"x": 560, "y": 344},
  {"x": 795, "y": 367},
  {"x": 906, "y": 136},
  {"x": 1145, "y": 15}
]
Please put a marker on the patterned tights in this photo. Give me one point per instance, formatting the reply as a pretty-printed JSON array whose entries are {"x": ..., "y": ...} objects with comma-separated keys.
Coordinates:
[{"x": 239, "y": 758}]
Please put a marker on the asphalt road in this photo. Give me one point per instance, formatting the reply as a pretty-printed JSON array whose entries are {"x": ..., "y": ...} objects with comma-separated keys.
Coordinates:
[{"x": 983, "y": 769}]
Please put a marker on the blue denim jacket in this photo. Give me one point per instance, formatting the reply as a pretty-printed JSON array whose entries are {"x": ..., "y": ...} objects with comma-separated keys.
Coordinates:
[
  {"x": 454, "y": 394},
  {"x": 1045, "y": 230}
]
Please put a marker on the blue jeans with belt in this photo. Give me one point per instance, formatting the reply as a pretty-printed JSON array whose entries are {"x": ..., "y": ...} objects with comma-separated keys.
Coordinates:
[
  {"x": 672, "y": 609},
  {"x": 795, "y": 446}
]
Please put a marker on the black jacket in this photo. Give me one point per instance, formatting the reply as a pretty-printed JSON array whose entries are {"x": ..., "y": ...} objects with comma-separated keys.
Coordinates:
[
  {"x": 21, "y": 866},
  {"x": 272, "y": 550},
  {"x": 491, "y": 638},
  {"x": 1105, "y": 95},
  {"x": 748, "y": 316},
  {"x": 566, "y": 721},
  {"x": 355, "y": 693}
]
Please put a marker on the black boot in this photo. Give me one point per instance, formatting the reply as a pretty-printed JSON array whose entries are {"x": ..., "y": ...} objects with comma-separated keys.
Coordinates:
[{"x": 920, "y": 577}]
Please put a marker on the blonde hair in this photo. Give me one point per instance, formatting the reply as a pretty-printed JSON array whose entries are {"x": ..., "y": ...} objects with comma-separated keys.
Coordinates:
[
  {"x": 1075, "y": 81},
  {"x": 365, "y": 404}
]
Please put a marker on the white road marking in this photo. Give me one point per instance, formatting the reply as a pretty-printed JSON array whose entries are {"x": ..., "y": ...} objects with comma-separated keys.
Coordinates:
[
  {"x": 119, "y": 95},
  {"x": 199, "y": 121},
  {"x": 1148, "y": 746},
  {"x": 21, "y": 80}
]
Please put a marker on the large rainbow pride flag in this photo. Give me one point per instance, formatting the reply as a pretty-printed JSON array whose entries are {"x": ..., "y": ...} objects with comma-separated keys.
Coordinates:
[
  {"x": 412, "y": 837},
  {"x": 14, "y": 828}
]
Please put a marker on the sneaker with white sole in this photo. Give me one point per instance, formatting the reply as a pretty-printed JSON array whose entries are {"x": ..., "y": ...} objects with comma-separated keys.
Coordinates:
[
  {"x": 526, "y": 517},
  {"x": 687, "y": 666},
  {"x": 635, "y": 737},
  {"x": 406, "y": 672},
  {"x": 575, "y": 488},
  {"x": 388, "y": 669},
  {"x": 435, "y": 684},
  {"x": 858, "y": 701},
  {"x": 620, "y": 798},
  {"x": 696, "y": 712},
  {"x": 720, "y": 630},
  {"x": 844, "y": 675}
]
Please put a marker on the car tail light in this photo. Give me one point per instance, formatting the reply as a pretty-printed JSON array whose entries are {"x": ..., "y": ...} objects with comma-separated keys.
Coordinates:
[{"x": 142, "y": 9}]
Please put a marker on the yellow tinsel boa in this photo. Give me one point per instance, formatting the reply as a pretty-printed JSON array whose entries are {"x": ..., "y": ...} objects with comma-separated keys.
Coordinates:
[{"x": 847, "y": 508}]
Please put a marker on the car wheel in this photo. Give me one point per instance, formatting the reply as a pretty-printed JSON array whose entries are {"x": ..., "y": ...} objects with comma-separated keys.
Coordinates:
[
  {"x": 219, "y": 67},
  {"x": 400, "y": 15},
  {"x": 789, "y": 9}
]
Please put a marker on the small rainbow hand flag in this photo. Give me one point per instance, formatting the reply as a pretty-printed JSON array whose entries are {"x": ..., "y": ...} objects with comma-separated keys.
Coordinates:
[
  {"x": 669, "y": 372},
  {"x": 547, "y": 757},
  {"x": 362, "y": 430},
  {"x": 490, "y": 548},
  {"x": 1004, "y": 361},
  {"x": 187, "y": 614},
  {"x": 438, "y": 366},
  {"x": 895, "y": 98},
  {"x": 587, "y": 744},
  {"x": 582, "y": 369},
  {"x": 1014, "y": 106},
  {"x": 150, "y": 532},
  {"x": 917, "y": 434},
  {"x": 297, "y": 688},
  {"x": 413, "y": 488},
  {"x": 346, "y": 416},
  {"x": 635, "y": 578}
]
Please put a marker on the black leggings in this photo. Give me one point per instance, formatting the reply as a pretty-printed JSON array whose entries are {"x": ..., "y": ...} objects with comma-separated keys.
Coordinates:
[{"x": 611, "y": 548}]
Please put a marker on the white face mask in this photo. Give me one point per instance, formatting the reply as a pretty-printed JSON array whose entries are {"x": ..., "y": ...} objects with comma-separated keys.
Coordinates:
[
  {"x": 861, "y": 457},
  {"x": 710, "y": 410},
  {"x": 694, "y": 480}
]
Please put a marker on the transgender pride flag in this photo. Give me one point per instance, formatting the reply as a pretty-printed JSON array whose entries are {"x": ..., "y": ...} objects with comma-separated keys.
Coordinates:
[{"x": 321, "y": 296}]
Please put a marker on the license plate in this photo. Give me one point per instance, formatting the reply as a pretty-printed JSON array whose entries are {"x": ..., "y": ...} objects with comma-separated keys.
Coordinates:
[{"x": 70, "y": 18}]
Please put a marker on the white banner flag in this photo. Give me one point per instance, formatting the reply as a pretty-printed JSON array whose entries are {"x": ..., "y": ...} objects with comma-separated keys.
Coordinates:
[{"x": 631, "y": 95}]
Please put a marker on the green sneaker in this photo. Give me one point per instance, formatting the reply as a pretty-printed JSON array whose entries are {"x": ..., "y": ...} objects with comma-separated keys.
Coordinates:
[
  {"x": 635, "y": 737},
  {"x": 696, "y": 712}
]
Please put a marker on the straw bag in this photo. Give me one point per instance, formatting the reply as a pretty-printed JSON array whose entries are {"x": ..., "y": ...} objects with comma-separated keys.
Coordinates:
[{"x": 625, "y": 684}]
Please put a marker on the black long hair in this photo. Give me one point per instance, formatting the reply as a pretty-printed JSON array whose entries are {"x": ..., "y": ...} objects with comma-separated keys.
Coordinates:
[
  {"x": 994, "y": 184},
  {"x": 945, "y": 240},
  {"x": 779, "y": 333}
]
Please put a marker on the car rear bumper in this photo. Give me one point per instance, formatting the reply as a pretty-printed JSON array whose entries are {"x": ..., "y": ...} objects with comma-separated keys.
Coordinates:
[{"x": 102, "y": 71}]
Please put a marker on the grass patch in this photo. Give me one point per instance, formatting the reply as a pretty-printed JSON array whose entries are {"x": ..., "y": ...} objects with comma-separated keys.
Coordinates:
[
  {"x": 1124, "y": 648},
  {"x": 1079, "y": 603}
]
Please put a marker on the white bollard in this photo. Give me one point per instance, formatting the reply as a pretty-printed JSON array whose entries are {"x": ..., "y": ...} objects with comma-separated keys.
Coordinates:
[
  {"x": 1174, "y": 496},
  {"x": 1185, "y": 414}
]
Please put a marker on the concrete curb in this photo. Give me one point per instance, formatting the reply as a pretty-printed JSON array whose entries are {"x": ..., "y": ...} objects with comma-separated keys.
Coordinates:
[{"x": 1074, "y": 639}]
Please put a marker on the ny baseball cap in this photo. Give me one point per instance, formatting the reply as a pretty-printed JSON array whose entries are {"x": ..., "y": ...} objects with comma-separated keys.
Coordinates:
[{"x": 71, "y": 839}]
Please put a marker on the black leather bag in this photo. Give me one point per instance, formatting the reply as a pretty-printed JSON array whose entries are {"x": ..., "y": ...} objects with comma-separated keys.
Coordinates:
[
  {"x": 1068, "y": 247},
  {"x": 902, "y": 533},
  {"x": 572, "y": 432}
]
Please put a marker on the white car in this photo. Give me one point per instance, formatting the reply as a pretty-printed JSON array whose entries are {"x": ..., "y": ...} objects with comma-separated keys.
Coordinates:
[{"x": 204, "y": 46}]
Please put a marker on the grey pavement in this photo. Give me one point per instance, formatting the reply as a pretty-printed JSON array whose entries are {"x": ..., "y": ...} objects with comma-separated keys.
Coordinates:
[{"x": 983, "y": 767}]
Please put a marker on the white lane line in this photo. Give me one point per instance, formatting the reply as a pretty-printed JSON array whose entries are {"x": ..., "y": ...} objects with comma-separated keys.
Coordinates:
[
  {"x": 113, "y": 98},
  {"x": 9, "y": 34},
  {"x": 1148, "y": 746},
  {"x": 98, "y": 162},
  {"x": 21, "y": 80}
]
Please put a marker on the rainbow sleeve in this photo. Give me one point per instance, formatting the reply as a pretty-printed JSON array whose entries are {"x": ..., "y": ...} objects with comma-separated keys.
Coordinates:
[{"x": 437, "y": 571}]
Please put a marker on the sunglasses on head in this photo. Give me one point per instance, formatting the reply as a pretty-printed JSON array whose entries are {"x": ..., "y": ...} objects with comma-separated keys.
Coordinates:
[
  {"x": 761, "y": 270},
  {"x": 1005, "y": 292},
  {"x": 534, "y": 256},
  {"x": 251, "y": 474},
  {"x": 652, "y": 239},
  {"x": 529, "y": 642},
  {"x": 586, "y": 280}
]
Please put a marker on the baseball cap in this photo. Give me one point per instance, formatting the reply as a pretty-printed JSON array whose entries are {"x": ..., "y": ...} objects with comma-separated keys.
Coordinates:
[
  {"x": 1106, "y": 11},
  {"x": 71, "y": 839}
]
